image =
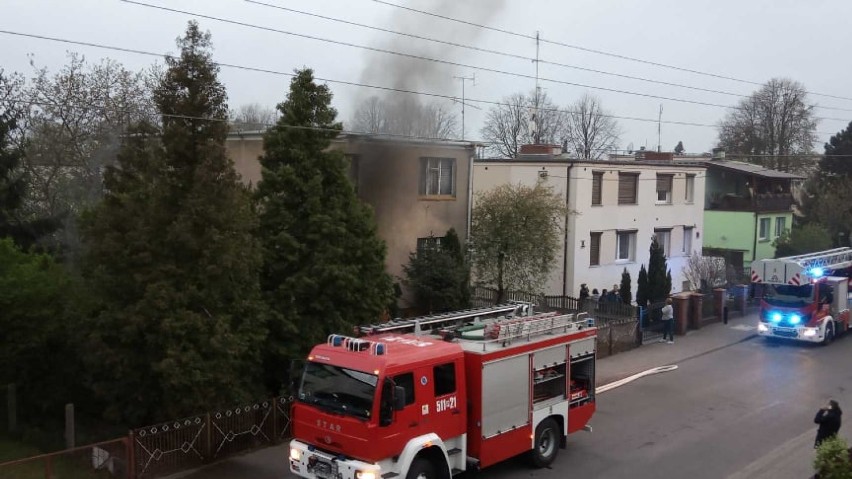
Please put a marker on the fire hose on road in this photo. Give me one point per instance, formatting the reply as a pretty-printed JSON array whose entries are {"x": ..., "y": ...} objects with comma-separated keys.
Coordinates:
[{"x": 622, "y": 382}]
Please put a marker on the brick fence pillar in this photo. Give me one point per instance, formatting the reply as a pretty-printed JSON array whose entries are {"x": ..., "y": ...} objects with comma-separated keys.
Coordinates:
[
  {"x": 696, "y": 303},
  {"x": 719, "y": 302},
  {"x": 680, "y": 302}
]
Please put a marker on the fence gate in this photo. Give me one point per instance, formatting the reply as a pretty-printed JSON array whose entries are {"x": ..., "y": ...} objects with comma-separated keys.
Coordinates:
[{"x": 651, "y": 322}]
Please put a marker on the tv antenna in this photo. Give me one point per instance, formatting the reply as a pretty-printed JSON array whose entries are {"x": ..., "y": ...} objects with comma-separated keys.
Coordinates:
[{"x": 463, "y": 79}]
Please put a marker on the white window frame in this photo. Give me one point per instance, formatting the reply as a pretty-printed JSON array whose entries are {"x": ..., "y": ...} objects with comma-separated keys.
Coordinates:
[
  {"x": 689, "y": 193},
  {"x": 667, "y": 199},
  {"x": 430, "y": 166},
  {"x": 664, "y": 237},
  {"x": 763, "y": 233},
  {"x": 631, "y": 246},
  {"x": 686, "y": 247},
  {"x": 780, "y": 225}
]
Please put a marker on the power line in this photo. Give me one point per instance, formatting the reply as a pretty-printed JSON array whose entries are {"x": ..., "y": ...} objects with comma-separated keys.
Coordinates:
[
  {"x": 590, "y": 50},
  {"x": 509, "y": 55},
  {"x": 341, "y": 82},
  {"x": 438, "y": 60},
  {"x": 348, "y": 83},
  {"x": 91, "y": 106}
]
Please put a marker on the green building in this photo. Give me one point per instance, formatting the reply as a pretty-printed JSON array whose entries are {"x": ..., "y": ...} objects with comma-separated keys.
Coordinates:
[{"x": 746, "y": 207}]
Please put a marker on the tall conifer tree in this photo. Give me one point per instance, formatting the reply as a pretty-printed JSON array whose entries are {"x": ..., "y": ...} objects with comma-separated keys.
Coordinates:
[
  {"x": 172, "y": 256},
  {"x": 324, "y": 268}
]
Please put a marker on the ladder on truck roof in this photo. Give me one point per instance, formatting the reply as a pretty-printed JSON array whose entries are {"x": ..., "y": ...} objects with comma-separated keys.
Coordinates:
[
  {"x": 795, "y": 269},
  {"x": 438, "y": 321}
]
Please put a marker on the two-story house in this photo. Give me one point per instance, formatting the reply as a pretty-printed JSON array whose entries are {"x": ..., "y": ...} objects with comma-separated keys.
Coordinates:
[
  {"x": 418, "y": 189},
  {"x": 747, "y": 208},
  {"x": 617, "y": 208}
]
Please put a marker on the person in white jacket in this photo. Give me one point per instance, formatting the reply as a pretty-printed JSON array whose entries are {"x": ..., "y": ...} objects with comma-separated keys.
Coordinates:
[{"x": 668, "y": 322}]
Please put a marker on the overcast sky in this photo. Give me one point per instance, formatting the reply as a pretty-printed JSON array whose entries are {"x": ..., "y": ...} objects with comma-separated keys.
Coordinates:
[{"x": 752, "y": 40}]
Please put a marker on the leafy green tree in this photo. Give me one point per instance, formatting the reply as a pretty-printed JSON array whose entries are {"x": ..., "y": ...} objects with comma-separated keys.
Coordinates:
[
  {"x": 624, "y": 290},
  {"x": 642, "y": 288},
  {"x": 172, "y": 257},
  {"x": 832, "y": 459},
  {"x": 439, "y": 276},
  {"x": 659, "y": 276},
  {"x": 515, "y": 236},
  {"x": 323, "y": 268},
  {"x": 837, "y": 152},
  {"x": 37, "y": 349},
  {"x": 808, "y": 238}
]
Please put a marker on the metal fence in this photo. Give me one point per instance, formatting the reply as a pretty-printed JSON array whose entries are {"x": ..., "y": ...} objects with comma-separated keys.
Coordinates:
[
  {"x": 189, "y": 442},
  {"x": 103, "y": 460},
  {"x": 600, "y": 310}
]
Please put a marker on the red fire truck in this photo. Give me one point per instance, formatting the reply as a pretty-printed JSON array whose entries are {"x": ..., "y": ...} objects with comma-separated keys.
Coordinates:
[
  {"x": 434, "y": 396},
  {"x": 805, "y": 297}
]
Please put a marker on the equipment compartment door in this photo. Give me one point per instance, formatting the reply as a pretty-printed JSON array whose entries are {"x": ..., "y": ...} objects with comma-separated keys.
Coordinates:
[{"x": 505, "y": 395}]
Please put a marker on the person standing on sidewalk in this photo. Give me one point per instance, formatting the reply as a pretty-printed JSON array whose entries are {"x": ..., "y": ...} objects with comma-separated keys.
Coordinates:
[
  {"x": 828, "y": 418},
  {"x": 668, "y": 322}
]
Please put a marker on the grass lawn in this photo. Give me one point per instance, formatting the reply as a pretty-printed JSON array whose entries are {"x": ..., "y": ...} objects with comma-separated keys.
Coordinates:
[{"x": 77, "y": 466}]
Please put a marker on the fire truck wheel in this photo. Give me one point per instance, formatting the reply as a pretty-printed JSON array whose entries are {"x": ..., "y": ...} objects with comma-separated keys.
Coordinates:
[
  {"x": 546, "y": 443},
  {"x": 829, "y": 333},
  {"x": 421, "y": 468}
]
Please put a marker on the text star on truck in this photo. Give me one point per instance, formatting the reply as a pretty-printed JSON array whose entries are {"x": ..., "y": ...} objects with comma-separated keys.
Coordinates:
[
  {"x": 434, "y": 396},
  {"x": 805, "y": 297}
]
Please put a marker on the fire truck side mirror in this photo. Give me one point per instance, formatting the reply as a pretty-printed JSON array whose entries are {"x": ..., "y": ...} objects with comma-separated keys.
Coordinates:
[
  {"x": 398, "y": 398},
  {"x": 297, "y": 367}
]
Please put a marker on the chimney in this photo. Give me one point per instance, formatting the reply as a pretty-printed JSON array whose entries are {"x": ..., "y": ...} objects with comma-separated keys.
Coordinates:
[
  {"x": 550, "y": 150},
  {"x": 664, "y": 156}
]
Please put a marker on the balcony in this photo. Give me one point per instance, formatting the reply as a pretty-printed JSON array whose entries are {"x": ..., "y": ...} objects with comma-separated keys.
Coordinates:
[{"x": 758, "y": 203}]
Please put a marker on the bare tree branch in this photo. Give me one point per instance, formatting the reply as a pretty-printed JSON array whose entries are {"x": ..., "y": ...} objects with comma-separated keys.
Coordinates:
[{"x": 592, "y": 132}]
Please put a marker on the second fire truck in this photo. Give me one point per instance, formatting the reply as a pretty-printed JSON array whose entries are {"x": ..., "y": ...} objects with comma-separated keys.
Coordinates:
[
  {"x": 805, "y": 297},
  {"x": 435, "y": 396}
]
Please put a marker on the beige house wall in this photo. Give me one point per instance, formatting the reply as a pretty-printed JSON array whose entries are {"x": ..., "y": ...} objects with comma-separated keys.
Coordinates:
[{"x": 387, "y": 175}]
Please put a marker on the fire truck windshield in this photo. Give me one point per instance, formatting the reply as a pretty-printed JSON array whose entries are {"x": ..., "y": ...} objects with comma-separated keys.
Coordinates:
[
  {"x": 338, "y": 390},
  {"x": 789, "y": 296}
]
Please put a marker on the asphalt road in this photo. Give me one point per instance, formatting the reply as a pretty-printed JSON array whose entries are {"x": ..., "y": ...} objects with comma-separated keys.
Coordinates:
[{"x": 744, "y": 411}]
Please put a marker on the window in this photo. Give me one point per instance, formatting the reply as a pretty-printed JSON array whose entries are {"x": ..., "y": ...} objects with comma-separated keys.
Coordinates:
[
  {"x": 406, "y": 381},
  {"x": 430, "y": 243},
  {"x": 780, "y": 225},
  {"x": 597, "y": 185},
  {"x": 690, "y": 188},
  {"x": 595, "y": 249},
  {"x": 687, "y": 240},
  {"x": 764, "y": 228},
  {"x": 627, "y": 186},
  {"x": 445, "y": 379},
  {"x": 664, "y": 188},
  {"x": 437, "y": 177},
  {"x": 625, "y": 245},
  {"x": 664, "y": 238}
]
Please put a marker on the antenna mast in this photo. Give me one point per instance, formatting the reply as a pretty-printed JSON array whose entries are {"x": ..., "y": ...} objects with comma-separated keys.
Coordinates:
[
  {"x": 537, "y": 135},
  {"x": 463, "y": 79},
  {"x": 660, "y": 130}
]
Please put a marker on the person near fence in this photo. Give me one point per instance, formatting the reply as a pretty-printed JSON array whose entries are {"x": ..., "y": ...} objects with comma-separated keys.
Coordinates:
[
  {"x": 596, "y": 296},
  {"x": 584, "y": 294},
  {"x": 668, "y": 322},
  {"x": 828, "y": 418}
]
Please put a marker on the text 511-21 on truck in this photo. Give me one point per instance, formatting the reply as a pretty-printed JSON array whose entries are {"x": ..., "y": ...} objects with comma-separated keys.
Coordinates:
[
  {"x": 434, "y": 396},
  {"x": 805, "y": 297}
]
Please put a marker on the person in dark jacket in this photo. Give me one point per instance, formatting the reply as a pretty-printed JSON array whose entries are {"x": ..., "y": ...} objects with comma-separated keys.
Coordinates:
[{"x": 828, "y": 418}]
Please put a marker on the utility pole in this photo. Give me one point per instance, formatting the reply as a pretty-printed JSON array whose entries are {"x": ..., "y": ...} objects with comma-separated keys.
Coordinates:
[
  {"x": 660, "y": 130},
  {"x": 471, "y": 78}
]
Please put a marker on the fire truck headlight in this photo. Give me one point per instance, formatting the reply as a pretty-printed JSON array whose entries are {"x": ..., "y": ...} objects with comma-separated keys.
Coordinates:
[
  {"x": 762, "y": 327},
  {"x": 776, "y": 317},
  {"x": 795, "y": 319},
  {"x": 295, "y": 454},
  {"x": 808, "y": 332},
  {"x": 365, "y": 475}
]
